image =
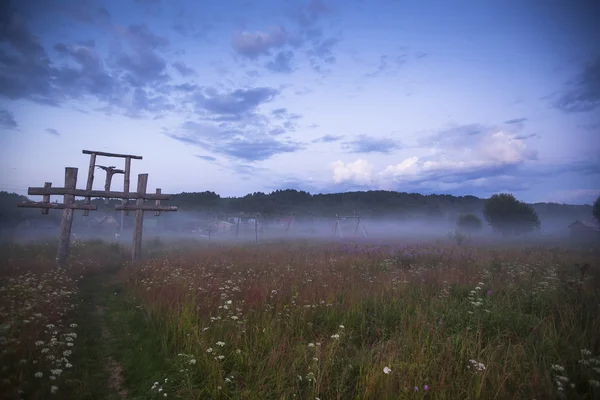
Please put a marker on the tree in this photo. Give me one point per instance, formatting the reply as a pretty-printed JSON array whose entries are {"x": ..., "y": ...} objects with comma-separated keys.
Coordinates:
[
  {"x": 469, "y": 223},
  {"x": 596, "y": 209},
  {"x": 509, "y": 216}
]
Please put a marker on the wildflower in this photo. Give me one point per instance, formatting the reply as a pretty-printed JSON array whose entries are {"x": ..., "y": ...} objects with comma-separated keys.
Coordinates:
[
  {"x": 38, "y": 375},
  {"x": 238, "y": 351},
  {"x": 221, "y": 344},
  {"x": 387, "y": 370},
  {"x": 209, "y": 350},
  {"x": 342, "y": 326},
  {"x": 426, "y": 388},
  {"x": 311, "y": 345},
  {"x": 193, "y": 361},
  {"x": 336, "y": 336},
  {"x": 53, "y": 389}
]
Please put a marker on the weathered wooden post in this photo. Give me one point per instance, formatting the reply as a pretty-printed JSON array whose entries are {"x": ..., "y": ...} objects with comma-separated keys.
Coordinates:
[
  {"x": 46, "y": 198},
  {"x": 90, "y": 181},
  {"x": 66, "y": 222},
  {"x": 68, "y": 206},
  {"x": 138, "y": 222},
  {"x": 139, "y": 208}
]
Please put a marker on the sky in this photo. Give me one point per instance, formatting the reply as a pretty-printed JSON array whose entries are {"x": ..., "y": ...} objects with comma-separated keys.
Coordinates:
[{"x": 462, "y": 97}]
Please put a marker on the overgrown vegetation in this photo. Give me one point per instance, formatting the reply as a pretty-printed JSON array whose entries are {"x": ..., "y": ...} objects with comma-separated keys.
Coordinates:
[{"x": 308, "y": 320}]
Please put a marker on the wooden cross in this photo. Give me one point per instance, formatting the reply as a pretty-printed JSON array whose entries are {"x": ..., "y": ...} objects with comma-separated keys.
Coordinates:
[{"x": 68, "y": 206}]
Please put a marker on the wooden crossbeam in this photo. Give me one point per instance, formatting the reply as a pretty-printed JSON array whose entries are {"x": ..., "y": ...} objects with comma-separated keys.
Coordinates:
[
  {"x": 104, "y": 154},
  {"x": 135, "y": 207},
  {"x": 39, "y": 191},
  {"x": 57, "y": 206}
]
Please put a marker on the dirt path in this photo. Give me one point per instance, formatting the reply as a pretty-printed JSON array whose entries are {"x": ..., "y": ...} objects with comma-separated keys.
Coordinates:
[{"x": 101, "y": 375}]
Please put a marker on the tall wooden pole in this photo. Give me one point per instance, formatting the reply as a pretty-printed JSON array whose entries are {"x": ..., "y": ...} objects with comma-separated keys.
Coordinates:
[
  {"x": 125, "y": 213},
  {"x": 138, "y": 222},
  {"x": 46, "y": 198},
  {"x": 90, "y": 181},
  {"x": 67, "y": 218}
]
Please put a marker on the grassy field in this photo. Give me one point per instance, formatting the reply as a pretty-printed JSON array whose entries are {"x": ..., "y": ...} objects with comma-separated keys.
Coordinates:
[{"x": 301, "y": 320}]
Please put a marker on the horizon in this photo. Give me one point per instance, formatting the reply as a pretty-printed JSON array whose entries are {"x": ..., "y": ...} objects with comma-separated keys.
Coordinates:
[{"x": 313, "y": 95}]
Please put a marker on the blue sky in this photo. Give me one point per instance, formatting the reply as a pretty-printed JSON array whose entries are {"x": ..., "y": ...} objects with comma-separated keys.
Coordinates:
[{"x": 463, "y": 97}]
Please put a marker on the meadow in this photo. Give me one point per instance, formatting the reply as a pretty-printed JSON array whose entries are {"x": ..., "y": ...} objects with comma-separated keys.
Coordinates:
[{"x": 301, "y": 320}]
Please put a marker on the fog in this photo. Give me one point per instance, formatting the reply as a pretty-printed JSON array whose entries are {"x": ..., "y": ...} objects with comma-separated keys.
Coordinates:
[{"x": 184, "y": 226}]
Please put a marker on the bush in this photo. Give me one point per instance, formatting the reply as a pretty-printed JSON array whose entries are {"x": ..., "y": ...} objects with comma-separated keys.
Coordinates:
[{"x": 469, "y": 223}]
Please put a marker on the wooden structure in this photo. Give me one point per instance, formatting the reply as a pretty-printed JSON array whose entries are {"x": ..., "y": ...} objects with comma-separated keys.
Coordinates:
[
  {"x": 69, "y": 191},
  {"x": 357, "y": 225},
  {"x": 585, "y": 231}
]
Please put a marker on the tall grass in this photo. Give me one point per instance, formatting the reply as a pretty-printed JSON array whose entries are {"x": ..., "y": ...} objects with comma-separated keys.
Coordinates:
[{"x": 343, "y": 321}]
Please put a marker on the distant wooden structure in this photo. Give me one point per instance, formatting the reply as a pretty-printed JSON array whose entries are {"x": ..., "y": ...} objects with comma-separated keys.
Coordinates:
[
  {"x": 585, "y": 231},
  {"x": 356, "y": 225},
  {"x": 69, "y": 191}
]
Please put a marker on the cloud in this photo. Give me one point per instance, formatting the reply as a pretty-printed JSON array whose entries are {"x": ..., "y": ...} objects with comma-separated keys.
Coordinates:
[
  {"x": 52, "y": 131},
  {"x": 207, "y": 158},
  {"x": 359, "y": 172},
  {"x": 370, "y": 144},
  {"x": 7, "y": 120},
  {"x": 231, "y": 124},
  {"x": 485, "y": 159},
  {"x": 328, "y": 139},
  {"x": 237, "y": 144},
  {"x": 235, "y": 103},
  {"x": 282, "y": 62},
  {"x": 131, "y": 83},
  {"x": 583, "y": 93},
  {"x": 183, "y": 69},
  {"x": 254, "y": 44},
  {"x": 515, "y": 121},
  {"x": 142, "y": 63}
]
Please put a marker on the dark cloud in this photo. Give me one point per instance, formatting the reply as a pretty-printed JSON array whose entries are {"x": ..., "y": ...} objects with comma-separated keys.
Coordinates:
[
  {"x": 370, "y": 144},
  {"x": 524, "y": 137},
  {"x": 52, "y": 131},
  {"x": 133, "y": 82},
  {"x": 232, "y": 126},
  {"x": 183, "y": 69},
  {"x": 236, "y": 144},
  {"x": 142, "y": 63},
  {"x": 207, "y": 158},
  {"x": 583, "y": 93},
  {"x": 516, "y": 121},
  {"x": 282, "y": 62},
  {"x": 235, "y": 103},
  {"x": 328, "y": 139},
  {"x": 254, "y": 44},
  {"x": 7, "y": 120}
]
